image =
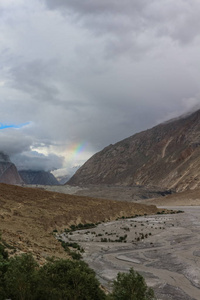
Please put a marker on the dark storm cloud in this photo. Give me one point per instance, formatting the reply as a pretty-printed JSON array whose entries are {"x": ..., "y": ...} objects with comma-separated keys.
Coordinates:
[
  {"x": 13, "y": 141},
  {"x": 37, "y": 162},
  {"x": 94, "y": 72},
  {"x": 178, "y": 20},
  {"x": 18, "y": 146},
  {"x": 35, "y": 78},
  {"x": 38, "y": 79},
  {"x": 99, "y": 7}
]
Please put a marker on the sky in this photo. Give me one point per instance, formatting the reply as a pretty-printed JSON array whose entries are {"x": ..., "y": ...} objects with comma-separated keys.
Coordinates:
[{"x": 79, "y": 75}]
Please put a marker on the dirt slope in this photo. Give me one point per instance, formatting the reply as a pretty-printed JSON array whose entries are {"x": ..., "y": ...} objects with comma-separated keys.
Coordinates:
[{"x": 28, "y": 216}]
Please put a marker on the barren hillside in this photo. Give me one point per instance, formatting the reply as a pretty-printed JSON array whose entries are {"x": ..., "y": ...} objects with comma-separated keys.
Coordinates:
[
  {"x": 166, "y": 156},
  {"x": 29, "y": 216}
]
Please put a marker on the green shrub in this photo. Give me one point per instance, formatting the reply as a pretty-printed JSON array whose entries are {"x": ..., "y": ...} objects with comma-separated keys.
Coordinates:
[
  {"x": 131, "y": 286},
  {"x": 104, "y": 240},
  {"x": 3, "y": 252},
  {"x": 71, "y": 280},
  {"x": 22, "y": 279},
  {"x": 73, "y": 254},
  {"x": 81, "y": 226}
]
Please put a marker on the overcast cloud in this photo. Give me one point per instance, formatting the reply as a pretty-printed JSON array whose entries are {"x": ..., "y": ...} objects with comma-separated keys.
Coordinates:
[{"x": 92, "y": 72}]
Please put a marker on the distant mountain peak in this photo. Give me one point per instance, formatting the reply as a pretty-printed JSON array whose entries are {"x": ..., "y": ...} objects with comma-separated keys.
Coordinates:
[{"x": 38, "y": 177}]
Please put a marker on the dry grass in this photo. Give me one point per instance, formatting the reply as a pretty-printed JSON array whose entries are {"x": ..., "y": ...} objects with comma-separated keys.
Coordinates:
[{"x": 29, "y": 216}]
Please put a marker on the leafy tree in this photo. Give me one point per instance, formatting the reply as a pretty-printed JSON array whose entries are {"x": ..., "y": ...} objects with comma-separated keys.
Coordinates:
[
  {"x": 131, "y": 286},
  {"x": 3, "y": 252},
  {"x": 69, "y": 280},
  {"x": 20, "y": 277},
  {"x": 3, "y": 270}
]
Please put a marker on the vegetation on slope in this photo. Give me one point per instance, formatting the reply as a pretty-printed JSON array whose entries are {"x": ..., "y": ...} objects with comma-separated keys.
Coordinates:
[
  {"x": 29, "y": 216},
  {"x": 21, "y": 278}
]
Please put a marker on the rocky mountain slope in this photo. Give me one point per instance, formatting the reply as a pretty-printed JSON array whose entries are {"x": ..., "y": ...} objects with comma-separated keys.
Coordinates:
[
  {"x": 38, "y": 177},
  {"x": 8, "y": 171},
  {"x": 166, "y": 156}
]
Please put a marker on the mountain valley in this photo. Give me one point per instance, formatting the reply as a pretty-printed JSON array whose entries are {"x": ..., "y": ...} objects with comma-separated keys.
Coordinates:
[{"x": 134, "y": 193}]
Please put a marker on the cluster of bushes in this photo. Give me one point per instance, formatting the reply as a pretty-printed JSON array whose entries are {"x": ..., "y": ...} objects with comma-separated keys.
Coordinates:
[
  {"x": 121, "y": 239},
  {"x": 74, "y": 245},
  {"x": 172, "y": 212},
  {"x": 142, "y": 236},
  {"x": 161, "y": 212},
  {"x": 131, "y": 286},
  {"x": 130, "y": 217},
  {"x": 21, "y": 278},
  {"x": 81, "y": 226},
  {"x": 74, "y": 254}
]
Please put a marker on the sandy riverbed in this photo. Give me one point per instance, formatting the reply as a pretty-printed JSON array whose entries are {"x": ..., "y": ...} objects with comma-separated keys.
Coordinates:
[{"x": 165, "y": 249}]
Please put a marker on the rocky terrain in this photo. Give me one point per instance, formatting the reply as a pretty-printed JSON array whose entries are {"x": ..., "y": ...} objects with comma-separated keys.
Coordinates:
[
  {"x": 8, "y": 171},
  {"x": 122, "y": 193},
  {"x": 185, "y": 198},
  {"x": 166, "y": 156},
  {"x": 130, "y": 194},
  {"x": 29, "y": 216},
  {"x": 163, "y": 248},
  {"x": 38, "y": 177}
]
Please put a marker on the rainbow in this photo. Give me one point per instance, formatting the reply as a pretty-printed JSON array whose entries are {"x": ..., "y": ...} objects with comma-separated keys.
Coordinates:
[{"x": 75, "y": 150}]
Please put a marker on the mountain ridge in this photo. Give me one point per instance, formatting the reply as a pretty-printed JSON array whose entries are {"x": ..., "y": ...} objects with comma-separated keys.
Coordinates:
[
  {"x": 38, "y": 177},
  {"x": 165, "y": 156}
]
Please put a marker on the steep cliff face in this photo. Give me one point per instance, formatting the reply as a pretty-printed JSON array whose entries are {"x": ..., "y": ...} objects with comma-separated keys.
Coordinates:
[
  {"x": 38, "y": 177},
  {"x": 168, "y": 156},
  {"x": 8, "y": 171}
]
